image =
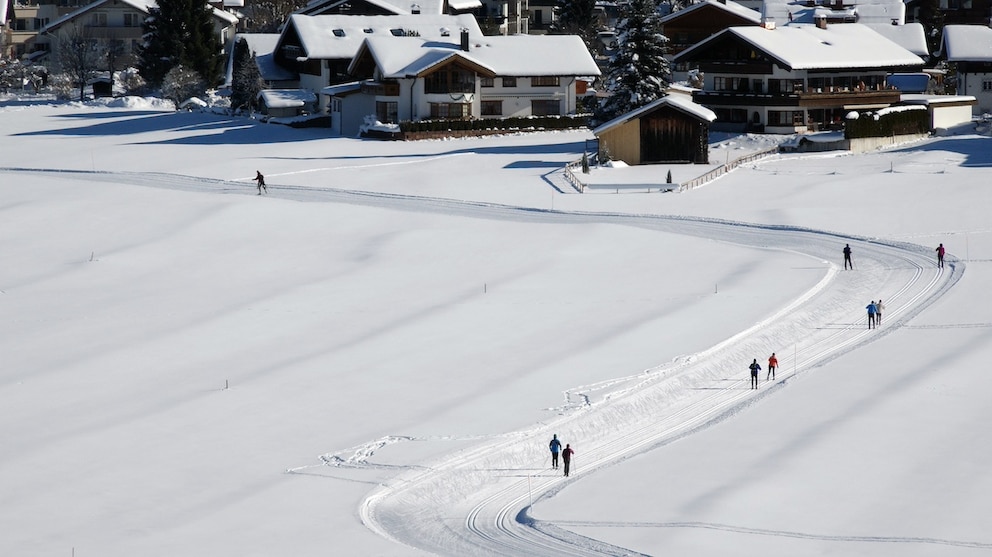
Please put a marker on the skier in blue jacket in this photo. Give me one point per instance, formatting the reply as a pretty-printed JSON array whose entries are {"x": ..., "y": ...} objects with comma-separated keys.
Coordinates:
[
  {"x": 755, "y": 368},
  {"x": 555, "y": 447},
  {"x": 872, "y": 310}
]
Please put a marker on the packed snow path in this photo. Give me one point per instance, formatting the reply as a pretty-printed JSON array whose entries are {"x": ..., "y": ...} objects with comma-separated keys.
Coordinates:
[
  {"x": 472, "y": 504},
  {"x": 475, "y": 502}
]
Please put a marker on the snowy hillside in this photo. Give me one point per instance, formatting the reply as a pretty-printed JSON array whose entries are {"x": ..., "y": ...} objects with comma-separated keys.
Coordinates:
[{"x": 372, "y": 358}]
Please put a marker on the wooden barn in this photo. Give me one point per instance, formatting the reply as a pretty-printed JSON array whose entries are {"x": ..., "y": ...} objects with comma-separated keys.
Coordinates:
[{"x": 670, "y": 129}]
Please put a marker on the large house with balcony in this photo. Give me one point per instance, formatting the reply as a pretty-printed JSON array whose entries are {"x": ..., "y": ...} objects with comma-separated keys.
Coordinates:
[
  {"x": 319, "y": 48},
  {"x": 797, "y": 77},
  {"x": 412, "y": 78}
]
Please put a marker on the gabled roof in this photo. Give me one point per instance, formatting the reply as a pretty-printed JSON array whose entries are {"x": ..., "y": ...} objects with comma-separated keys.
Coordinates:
[
  {"x": 143, "y": 6},
  {"x": 398, "y": 7},
  {"x": 677, "y": 101},
  {"x": 328, "y": 37},
  {"x": 262, "y": 45},
  {"x": 514, "y": 55},
  {"x": 911, "y": 36},
  {"x": 807, "y": 47},
  {"x": 968, "y": 43},
  {"x": 287, "y": 98},
  {"x": 413, "y": 56},
  {"x": 864, "y": 11},
  {"x": 728, "y": 6}
]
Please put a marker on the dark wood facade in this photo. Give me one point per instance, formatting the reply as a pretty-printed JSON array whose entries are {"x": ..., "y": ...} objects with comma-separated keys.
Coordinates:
[
  {"x": 695, "y": 25},
  {"x": 669, "y": 135},
  {"x": 664, "y": 133}
]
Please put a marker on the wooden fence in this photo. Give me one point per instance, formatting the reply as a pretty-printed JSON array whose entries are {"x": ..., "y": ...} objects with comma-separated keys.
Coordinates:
[
  {"x": 723, "y": 169},
  {"x": 576, "y": 166}
]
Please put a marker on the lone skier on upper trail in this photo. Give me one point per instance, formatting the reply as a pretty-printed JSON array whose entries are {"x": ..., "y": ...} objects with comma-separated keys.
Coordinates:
[
  {"x": 940, "y": 255},
  {"x": 847, "y": 257},
  {"x": 260, "y": 180},
  {"x": 555, "y": 447}
]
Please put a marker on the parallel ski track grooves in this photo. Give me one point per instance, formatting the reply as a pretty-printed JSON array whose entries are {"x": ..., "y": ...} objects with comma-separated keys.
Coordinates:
[
  {"x": 504, "y": 528},
  {"x": 497, "y": 523}
]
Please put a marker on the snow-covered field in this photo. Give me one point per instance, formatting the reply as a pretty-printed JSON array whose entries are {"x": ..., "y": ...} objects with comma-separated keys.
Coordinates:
[{"x": 372, "y": 358}]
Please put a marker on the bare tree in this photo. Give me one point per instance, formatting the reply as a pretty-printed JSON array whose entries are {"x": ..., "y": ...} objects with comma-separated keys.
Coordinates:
[
  {"x": 181, "y": 84},
  {"x": 79, "y": 56},
  {"x": 267, "y": 16}
]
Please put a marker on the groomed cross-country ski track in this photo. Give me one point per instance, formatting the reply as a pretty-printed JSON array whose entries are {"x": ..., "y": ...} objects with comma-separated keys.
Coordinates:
[{"x": 476, "y": 501}]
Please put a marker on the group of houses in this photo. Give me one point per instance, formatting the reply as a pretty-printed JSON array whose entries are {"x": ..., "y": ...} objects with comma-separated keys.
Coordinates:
[
  {"x": 778, "y": 66},
  {"x": 416, "y": 67}
]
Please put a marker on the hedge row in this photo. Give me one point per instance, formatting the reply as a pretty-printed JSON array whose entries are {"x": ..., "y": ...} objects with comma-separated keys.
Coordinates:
[
  {"x": 906, "y": 122},
  {"x": 526, "y": 122}
]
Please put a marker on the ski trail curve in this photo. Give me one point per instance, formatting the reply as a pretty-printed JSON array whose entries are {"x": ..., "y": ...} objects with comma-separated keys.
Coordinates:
[
  {"x": 459, "y": 505},
  {"x": 466, "y": 503}
]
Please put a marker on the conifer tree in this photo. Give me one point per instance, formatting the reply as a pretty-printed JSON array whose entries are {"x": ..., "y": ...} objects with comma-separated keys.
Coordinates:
[
  {"x": 932, "y": 19},
  {"x": 180, "y": 32},
  {"x": 638, "y": 72},
  {"x": 246, "y": 80},
  {"x": 577, "y": 17}
]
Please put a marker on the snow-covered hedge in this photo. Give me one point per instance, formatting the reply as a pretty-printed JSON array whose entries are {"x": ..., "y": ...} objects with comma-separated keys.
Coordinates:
[
  {"x": 888, "y": 122},
  {"x": 521, "y": 123}
]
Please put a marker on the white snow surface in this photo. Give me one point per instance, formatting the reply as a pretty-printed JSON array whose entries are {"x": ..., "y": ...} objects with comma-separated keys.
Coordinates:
[
  {"x": 968, "y": 43},
  {"x": 847, "y": 45},
  {"x": 372, "y": 358}
]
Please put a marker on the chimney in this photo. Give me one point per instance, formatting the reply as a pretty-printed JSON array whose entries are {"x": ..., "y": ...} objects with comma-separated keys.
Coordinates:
[
  {"x": 821, "y": 22},
  {"x": 465, "y": 40}
]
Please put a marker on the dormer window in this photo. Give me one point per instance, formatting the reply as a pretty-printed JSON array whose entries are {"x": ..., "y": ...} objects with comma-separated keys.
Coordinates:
[
  {"x": 368, "y": 30},
  {"x": 338, "y": 32}
]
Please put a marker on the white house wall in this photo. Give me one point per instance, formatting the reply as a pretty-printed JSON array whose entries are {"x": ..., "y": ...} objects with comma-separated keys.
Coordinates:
[
  {"x": 973, "y": 85},
  {"x": 950, "y": 116},
  {"x": 314, "y": 83},
  {"x": 414, "y": 105}
]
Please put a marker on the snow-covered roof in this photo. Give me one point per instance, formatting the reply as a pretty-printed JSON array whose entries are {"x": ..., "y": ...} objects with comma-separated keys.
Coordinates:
[
  {"x": 342, "y": 88},
  {"x": 398, "y": 7},
  {"x": 808, "y": 47},
  {"x": 678, "y": 102},
  {"x": 911, "y": 36},
  {"x": 262, "y": 45},
  {"x": 514, "y": 55},
  {"x": 143, "y": 6},
  {"x": 462, "y": 5},
  {"x": 968, "y": 43},
  {"x": 919, "y": 98},
  {"x": 287, "y": 98},
  {"x": 729, "y": 6},
  {"x": 862, "y": 11},
  {"x": 327, "y": 37}
]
